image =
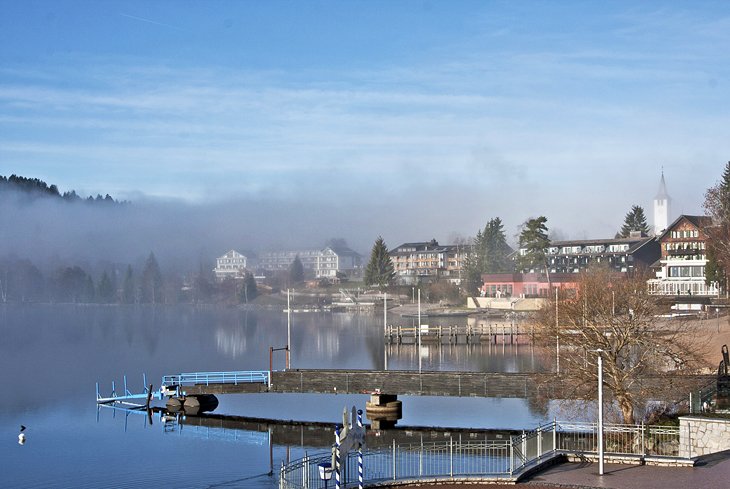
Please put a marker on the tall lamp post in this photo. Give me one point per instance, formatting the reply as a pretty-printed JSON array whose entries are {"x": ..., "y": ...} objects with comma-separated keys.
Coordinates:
[
  {"x": 419, "y": 330},
  {"x": 557, "y": 335},
  {"x": 600, "y": 411}
]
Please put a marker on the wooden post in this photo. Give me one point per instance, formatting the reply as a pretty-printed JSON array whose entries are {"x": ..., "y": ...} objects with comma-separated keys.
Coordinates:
[{"x": 149, "y": 397}]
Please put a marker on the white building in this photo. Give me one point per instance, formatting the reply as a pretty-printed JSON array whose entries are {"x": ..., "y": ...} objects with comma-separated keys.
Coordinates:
[
  {"x": 681, "y": 269},
  {"x": 330, "y": 261},
  {"x": 230, "y": 265},
  {"x": 662, "y": 203},
  {"x": 320, "y": 263}
]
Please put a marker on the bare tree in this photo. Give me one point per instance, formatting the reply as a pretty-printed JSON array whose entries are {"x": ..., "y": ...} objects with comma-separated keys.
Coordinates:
[{"x": 615, "y": 314}]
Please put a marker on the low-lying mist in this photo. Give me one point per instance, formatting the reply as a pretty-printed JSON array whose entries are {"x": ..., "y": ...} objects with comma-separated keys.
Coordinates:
[{"x": 184, "y": 235}]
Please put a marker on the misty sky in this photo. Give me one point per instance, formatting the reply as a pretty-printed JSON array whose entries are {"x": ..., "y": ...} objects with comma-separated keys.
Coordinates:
[{"x": 285, "y": 123}]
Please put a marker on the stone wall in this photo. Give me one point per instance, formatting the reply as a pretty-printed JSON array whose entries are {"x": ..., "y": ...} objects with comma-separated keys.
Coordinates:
[{"x": 701, "y": 436}]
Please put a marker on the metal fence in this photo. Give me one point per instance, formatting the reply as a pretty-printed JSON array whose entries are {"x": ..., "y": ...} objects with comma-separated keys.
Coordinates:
[
  {"x": 496, "y": 459},
  {"x": 618, "y": 439},
  {"x": 207, "y": 378}
]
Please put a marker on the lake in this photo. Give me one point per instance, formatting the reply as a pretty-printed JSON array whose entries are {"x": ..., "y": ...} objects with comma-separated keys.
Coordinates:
[{"x": 51, "y": 357}]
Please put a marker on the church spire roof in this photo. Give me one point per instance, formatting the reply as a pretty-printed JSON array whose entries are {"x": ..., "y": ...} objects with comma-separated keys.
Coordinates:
[{"x": 662, "y": 193}]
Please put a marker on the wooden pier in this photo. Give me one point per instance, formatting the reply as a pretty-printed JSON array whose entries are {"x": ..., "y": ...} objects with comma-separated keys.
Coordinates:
[{"x": 453, "y": 334}]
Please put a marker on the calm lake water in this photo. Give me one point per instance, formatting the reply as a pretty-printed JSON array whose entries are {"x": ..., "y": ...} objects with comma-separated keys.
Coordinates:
[{"x": 51, "y": 356}]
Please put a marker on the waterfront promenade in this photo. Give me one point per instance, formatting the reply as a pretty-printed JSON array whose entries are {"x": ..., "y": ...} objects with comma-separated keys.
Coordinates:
[{"x": 711, "y": 471}]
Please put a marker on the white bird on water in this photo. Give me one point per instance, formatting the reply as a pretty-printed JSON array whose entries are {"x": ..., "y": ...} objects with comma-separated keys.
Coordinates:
[{"x": 21, "y": 436}]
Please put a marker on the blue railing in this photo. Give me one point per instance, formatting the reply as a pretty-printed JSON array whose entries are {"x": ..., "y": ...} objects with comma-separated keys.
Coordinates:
[
  {"x": 498, "y": 460},
  {"x": 126, "y": 395},
  {"x": 207, "y": 378}
]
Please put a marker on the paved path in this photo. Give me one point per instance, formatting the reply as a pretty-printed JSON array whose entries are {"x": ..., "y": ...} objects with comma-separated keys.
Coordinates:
[{"x": 712, "y": 471}]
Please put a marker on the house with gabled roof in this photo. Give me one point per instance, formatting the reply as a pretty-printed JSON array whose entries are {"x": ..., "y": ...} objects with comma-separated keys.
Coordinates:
[
  {"x": 230, "y": 265},
  {"x": 680, "y": 270}
]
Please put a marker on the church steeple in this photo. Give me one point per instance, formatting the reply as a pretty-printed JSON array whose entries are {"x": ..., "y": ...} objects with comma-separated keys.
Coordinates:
[
  {"x": 662, "y": 194},
  {"x": 661, "y": 207}
]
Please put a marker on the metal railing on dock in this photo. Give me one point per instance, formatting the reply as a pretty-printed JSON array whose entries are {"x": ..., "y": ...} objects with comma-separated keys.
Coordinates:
[
  {"x": 207, "y": 378},
  {"x": 486, "y": 460},
  {"x": 494, "y": 333}
]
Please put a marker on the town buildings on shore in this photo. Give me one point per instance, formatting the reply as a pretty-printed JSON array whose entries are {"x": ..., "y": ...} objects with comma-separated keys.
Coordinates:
[
  {"x": 330, "y": 263},
  {"x": 674, "y": 253},
  {"x": 427, "y": 262}
]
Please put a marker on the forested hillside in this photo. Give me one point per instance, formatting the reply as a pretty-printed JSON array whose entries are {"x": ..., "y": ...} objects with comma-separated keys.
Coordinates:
[{"x": 36, "y": 188}]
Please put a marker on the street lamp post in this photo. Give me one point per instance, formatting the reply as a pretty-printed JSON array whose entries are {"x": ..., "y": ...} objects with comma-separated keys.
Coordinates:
[
  {"x": 600, "y": 411},
  {"x": 557, "y": 335},
  {"x": 419, "y": 330}
]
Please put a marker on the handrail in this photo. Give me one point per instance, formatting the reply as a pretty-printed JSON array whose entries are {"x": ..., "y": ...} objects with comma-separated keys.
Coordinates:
[
  {"x": 207, "y": 378},
  {"x": 497, "y": 459}
]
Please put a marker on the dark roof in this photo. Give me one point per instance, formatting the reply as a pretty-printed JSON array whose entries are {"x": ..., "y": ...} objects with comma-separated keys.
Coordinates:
[
  {"x": 698, "y": 221},
  {"x": 343, "y": 251},
  {"x": 609, "y": 241}
]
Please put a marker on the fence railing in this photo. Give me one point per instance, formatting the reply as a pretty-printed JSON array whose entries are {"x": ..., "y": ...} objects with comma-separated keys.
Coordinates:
[
  {"x": 207, "y": 378},
  {"x": 498, "y": 459}
]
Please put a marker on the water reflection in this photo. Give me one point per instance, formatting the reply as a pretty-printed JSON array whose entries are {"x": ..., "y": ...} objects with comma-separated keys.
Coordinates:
[{"x": 51, "y": 356}]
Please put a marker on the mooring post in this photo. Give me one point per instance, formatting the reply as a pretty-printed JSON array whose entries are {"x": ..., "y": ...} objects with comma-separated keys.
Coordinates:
[
  {"x": 359, "y": 453},
  {"x": 149, "y": 397},
  {"x": 337, "y": 458},
  {"x": 394, "y": 462},
  {"x": 305, "y": 471}
]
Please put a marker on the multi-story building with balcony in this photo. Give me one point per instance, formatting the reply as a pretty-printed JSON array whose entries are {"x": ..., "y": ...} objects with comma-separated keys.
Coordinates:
[
  {"x": 680, "y": 271},
  {"x": 230, "y": 265},
  {"x": 621, "y": 255},
  {"x": 564, "y": 259},
  {"x": 331, "y": 261},
  {"x": 428, "y": 261},
  {"x": 319, "y": 263}
]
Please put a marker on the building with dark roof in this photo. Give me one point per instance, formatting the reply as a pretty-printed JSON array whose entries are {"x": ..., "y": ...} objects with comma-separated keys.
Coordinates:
[
  {"x": 428, "y": 261},
  {"x": 566, "y": 258},
  {"x": 680, "y": 270}
]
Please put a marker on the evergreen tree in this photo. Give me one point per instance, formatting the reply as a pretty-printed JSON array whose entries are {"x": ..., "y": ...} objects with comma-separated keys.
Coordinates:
[
  {"x": 296, "y": 271},
  {"x": 473, "y": 265},
  {"x": 248, "y": 291},
  {"x": 496, "y": 247},
  {"x": 128, "y": 292},
  {"x": 379, "y": 270},
  {"x": 635, "y": 220},
  {"x": 89, "y": 294},
  {"x": 488, "y": 254},
  {"x": 106, "y": 289},
  {"x": 533, "y": 243},
  {"x": 717, "y": 206},
  {"x": 151, "y": 281}
]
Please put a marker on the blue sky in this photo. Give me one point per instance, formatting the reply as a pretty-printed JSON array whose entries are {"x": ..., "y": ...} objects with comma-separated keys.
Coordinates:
[{"x": 420, "y": 118}]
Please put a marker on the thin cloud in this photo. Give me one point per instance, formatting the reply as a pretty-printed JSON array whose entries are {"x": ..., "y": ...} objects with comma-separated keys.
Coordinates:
[{"x": 149, "y": 21}]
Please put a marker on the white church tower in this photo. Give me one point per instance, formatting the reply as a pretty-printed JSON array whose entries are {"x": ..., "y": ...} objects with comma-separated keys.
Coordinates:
[{"x": 661, "y": 208}]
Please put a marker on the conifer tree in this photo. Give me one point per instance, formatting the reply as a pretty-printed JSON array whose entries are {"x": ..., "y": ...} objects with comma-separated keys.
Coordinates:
[
  {"x": 296, "y": 270},
  {"x": 488, "y": 254},
  {"x": 635, "y": 220},
  {"x": 128, "y": 289},
  {"x": 717, "y": 206},
  {"x": 151, "y": 281},
  {"x": 534, "y": 241},
  {"x": 379, "y": 270},
  {"x": 106, "y": 289}
]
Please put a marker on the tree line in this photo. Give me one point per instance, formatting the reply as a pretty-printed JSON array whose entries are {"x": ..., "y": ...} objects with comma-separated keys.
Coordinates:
[
  {"x": 22, "y": 281},
  {"x": 36, "y": 188}
]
